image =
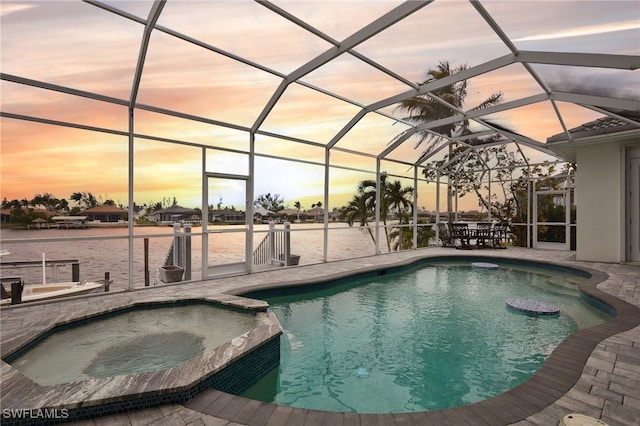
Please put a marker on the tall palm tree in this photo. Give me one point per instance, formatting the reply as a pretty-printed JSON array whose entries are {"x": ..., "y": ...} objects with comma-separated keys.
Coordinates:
[
  {"x": 358, "y": 209},
  {"x": 425, "y": 108},
  {"x": 398, "y": 197},
  {"x": 392, "y": 197},
  {"x": 368, "y": 188},
  {"x": 77, "y": 197},
  {"x": 298, "y": 206},
  {"x": 84, "y": 198}
]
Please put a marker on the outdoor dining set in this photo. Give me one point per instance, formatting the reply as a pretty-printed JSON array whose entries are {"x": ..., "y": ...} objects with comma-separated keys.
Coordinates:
[{"x": 483, "y": 235}]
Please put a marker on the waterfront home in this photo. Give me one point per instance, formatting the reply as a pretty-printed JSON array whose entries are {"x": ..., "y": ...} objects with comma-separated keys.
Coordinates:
[
  {"x": 173, "y": 214},
  {"x": 226, "y": 216},
  {"x": 105, "y": 214}
]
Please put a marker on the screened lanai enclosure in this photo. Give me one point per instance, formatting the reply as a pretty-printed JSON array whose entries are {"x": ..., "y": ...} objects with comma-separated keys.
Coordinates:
[{"x": 354, "y": 127}]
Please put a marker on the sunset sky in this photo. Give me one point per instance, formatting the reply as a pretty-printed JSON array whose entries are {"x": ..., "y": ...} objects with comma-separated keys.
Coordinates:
[{"x": 79, "y": 46}]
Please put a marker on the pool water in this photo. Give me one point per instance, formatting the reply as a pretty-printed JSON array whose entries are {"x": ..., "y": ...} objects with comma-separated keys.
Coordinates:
[
  {"x": 431, "y": 338},
  {"x": 135, "y": 341}
]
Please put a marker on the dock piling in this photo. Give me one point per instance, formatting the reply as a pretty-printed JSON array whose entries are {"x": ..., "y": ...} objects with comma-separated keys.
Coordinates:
[
  {"x": 75, "y": 272},
  {"x": 146, "y": 262}
]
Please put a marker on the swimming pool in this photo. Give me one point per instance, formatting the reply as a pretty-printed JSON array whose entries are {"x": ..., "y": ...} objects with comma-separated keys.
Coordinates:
[{"x": 432, "y": 337}]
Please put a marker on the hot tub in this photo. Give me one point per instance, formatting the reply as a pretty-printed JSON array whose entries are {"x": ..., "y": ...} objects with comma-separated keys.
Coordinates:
[{"x": 142, "y": 355}]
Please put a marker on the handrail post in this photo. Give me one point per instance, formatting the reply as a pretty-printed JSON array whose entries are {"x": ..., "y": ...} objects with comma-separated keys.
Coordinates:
[
  {"x": 187, "y": 252},
  {"x": 177, "y": 245},
  {"x": 272, "y": 242},
  {"x": 287, "y": 243}
]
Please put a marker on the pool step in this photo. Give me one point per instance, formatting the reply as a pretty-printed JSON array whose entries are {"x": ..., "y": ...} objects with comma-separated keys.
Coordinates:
[{"x": 557, "y": 286}]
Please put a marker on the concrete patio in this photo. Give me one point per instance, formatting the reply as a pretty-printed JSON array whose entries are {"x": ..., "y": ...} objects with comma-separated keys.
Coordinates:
[{"x": 607, "y": 388}]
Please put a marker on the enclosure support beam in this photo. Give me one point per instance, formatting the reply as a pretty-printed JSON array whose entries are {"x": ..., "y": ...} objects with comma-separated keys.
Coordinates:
[
  {"x": 327, "y": 158},
  {"x": 205, "y": 217},
  {"x": 415, "y": 208},
  {"x": 378, "y": 199},
  {"x": 489, "y": 193},
  {"x": 437, "y": 206},
  {"x": 250, "y": 189}
]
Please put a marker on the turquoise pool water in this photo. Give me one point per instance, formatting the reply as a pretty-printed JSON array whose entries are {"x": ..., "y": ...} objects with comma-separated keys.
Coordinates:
[
  {"x": 136, "y": 340},
  {"x": 430, "y": 338}
]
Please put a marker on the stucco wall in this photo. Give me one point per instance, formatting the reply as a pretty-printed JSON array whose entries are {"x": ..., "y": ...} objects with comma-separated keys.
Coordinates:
[{"x": 599, "y": 203}]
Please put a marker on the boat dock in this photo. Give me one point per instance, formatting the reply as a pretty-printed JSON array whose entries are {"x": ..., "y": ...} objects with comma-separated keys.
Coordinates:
[{"x": 75, "y": 266}]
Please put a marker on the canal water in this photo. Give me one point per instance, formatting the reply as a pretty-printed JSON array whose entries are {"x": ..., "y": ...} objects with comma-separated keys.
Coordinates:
[{"x": 105, "y": 249}]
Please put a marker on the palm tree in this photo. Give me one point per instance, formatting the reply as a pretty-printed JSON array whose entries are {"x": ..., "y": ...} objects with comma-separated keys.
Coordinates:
[
  {"x": 398, "y": 197},
  {"x": 393, "y": 197},
  {"x": 298, "y": 206},
  {"x": 403, "y": 237},
  {"x": 425, "y": 108},
  {"x": 358, "y": 209},
  {"x": 76, "y": 196},
  {"x": 84, "y": 198}
]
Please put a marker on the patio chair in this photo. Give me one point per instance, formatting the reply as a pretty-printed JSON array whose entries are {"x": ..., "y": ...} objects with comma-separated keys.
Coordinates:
[
  {"x": 484, "y": 233},
  {"x": 499, "y": 233},
  {"x": 460, "y": 232},
  {"x": 445, "y": 235}
]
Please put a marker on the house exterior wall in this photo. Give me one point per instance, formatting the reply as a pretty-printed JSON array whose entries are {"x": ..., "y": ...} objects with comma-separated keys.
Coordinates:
[{"x": 600, "y": 202}]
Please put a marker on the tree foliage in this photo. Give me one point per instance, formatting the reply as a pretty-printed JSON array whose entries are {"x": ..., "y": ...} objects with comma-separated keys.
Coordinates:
[
  {"x": 85, "y": 199},
  {"x": 274, "y": 203},
  {"x": 442, "y": 103},
  {"x": 46, "y": 201},
  {"x": 394, "y": 199},
  {"x": 510, "y": 193},
  {"x": 425, "y": 108},
  {"x": 471, "y": 174}
]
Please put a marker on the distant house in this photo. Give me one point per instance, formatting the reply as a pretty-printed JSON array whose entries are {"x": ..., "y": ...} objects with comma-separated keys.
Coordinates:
[
  {"x": 175, "y": 214},
  {"x": 607, "y": 183},
  {"x": 5, "y": 214},
  {"x": 105, "y": 214},
  {"x": 290, "y": 215},
  {"x": 316, "y": 214},
  {"x": 227, "y": 216},
  {"x": 425, "y": 215},
  {"x": 137, "y": 214},
  {"x": 263, "y": 215}
]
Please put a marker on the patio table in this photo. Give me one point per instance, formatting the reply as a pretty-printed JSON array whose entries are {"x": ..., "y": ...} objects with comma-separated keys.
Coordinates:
[{"x": 483, "y": 234}]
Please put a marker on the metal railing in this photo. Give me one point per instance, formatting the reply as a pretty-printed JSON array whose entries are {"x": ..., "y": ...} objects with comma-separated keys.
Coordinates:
[{"x": 275, "y": 248}]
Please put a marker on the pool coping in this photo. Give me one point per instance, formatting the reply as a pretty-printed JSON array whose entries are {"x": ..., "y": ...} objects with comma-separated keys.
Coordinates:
[{"x": 561, "y": 371}]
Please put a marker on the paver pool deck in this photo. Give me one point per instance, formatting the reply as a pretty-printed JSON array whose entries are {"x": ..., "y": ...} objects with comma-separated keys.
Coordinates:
[{"x": 595, "y": 372}]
